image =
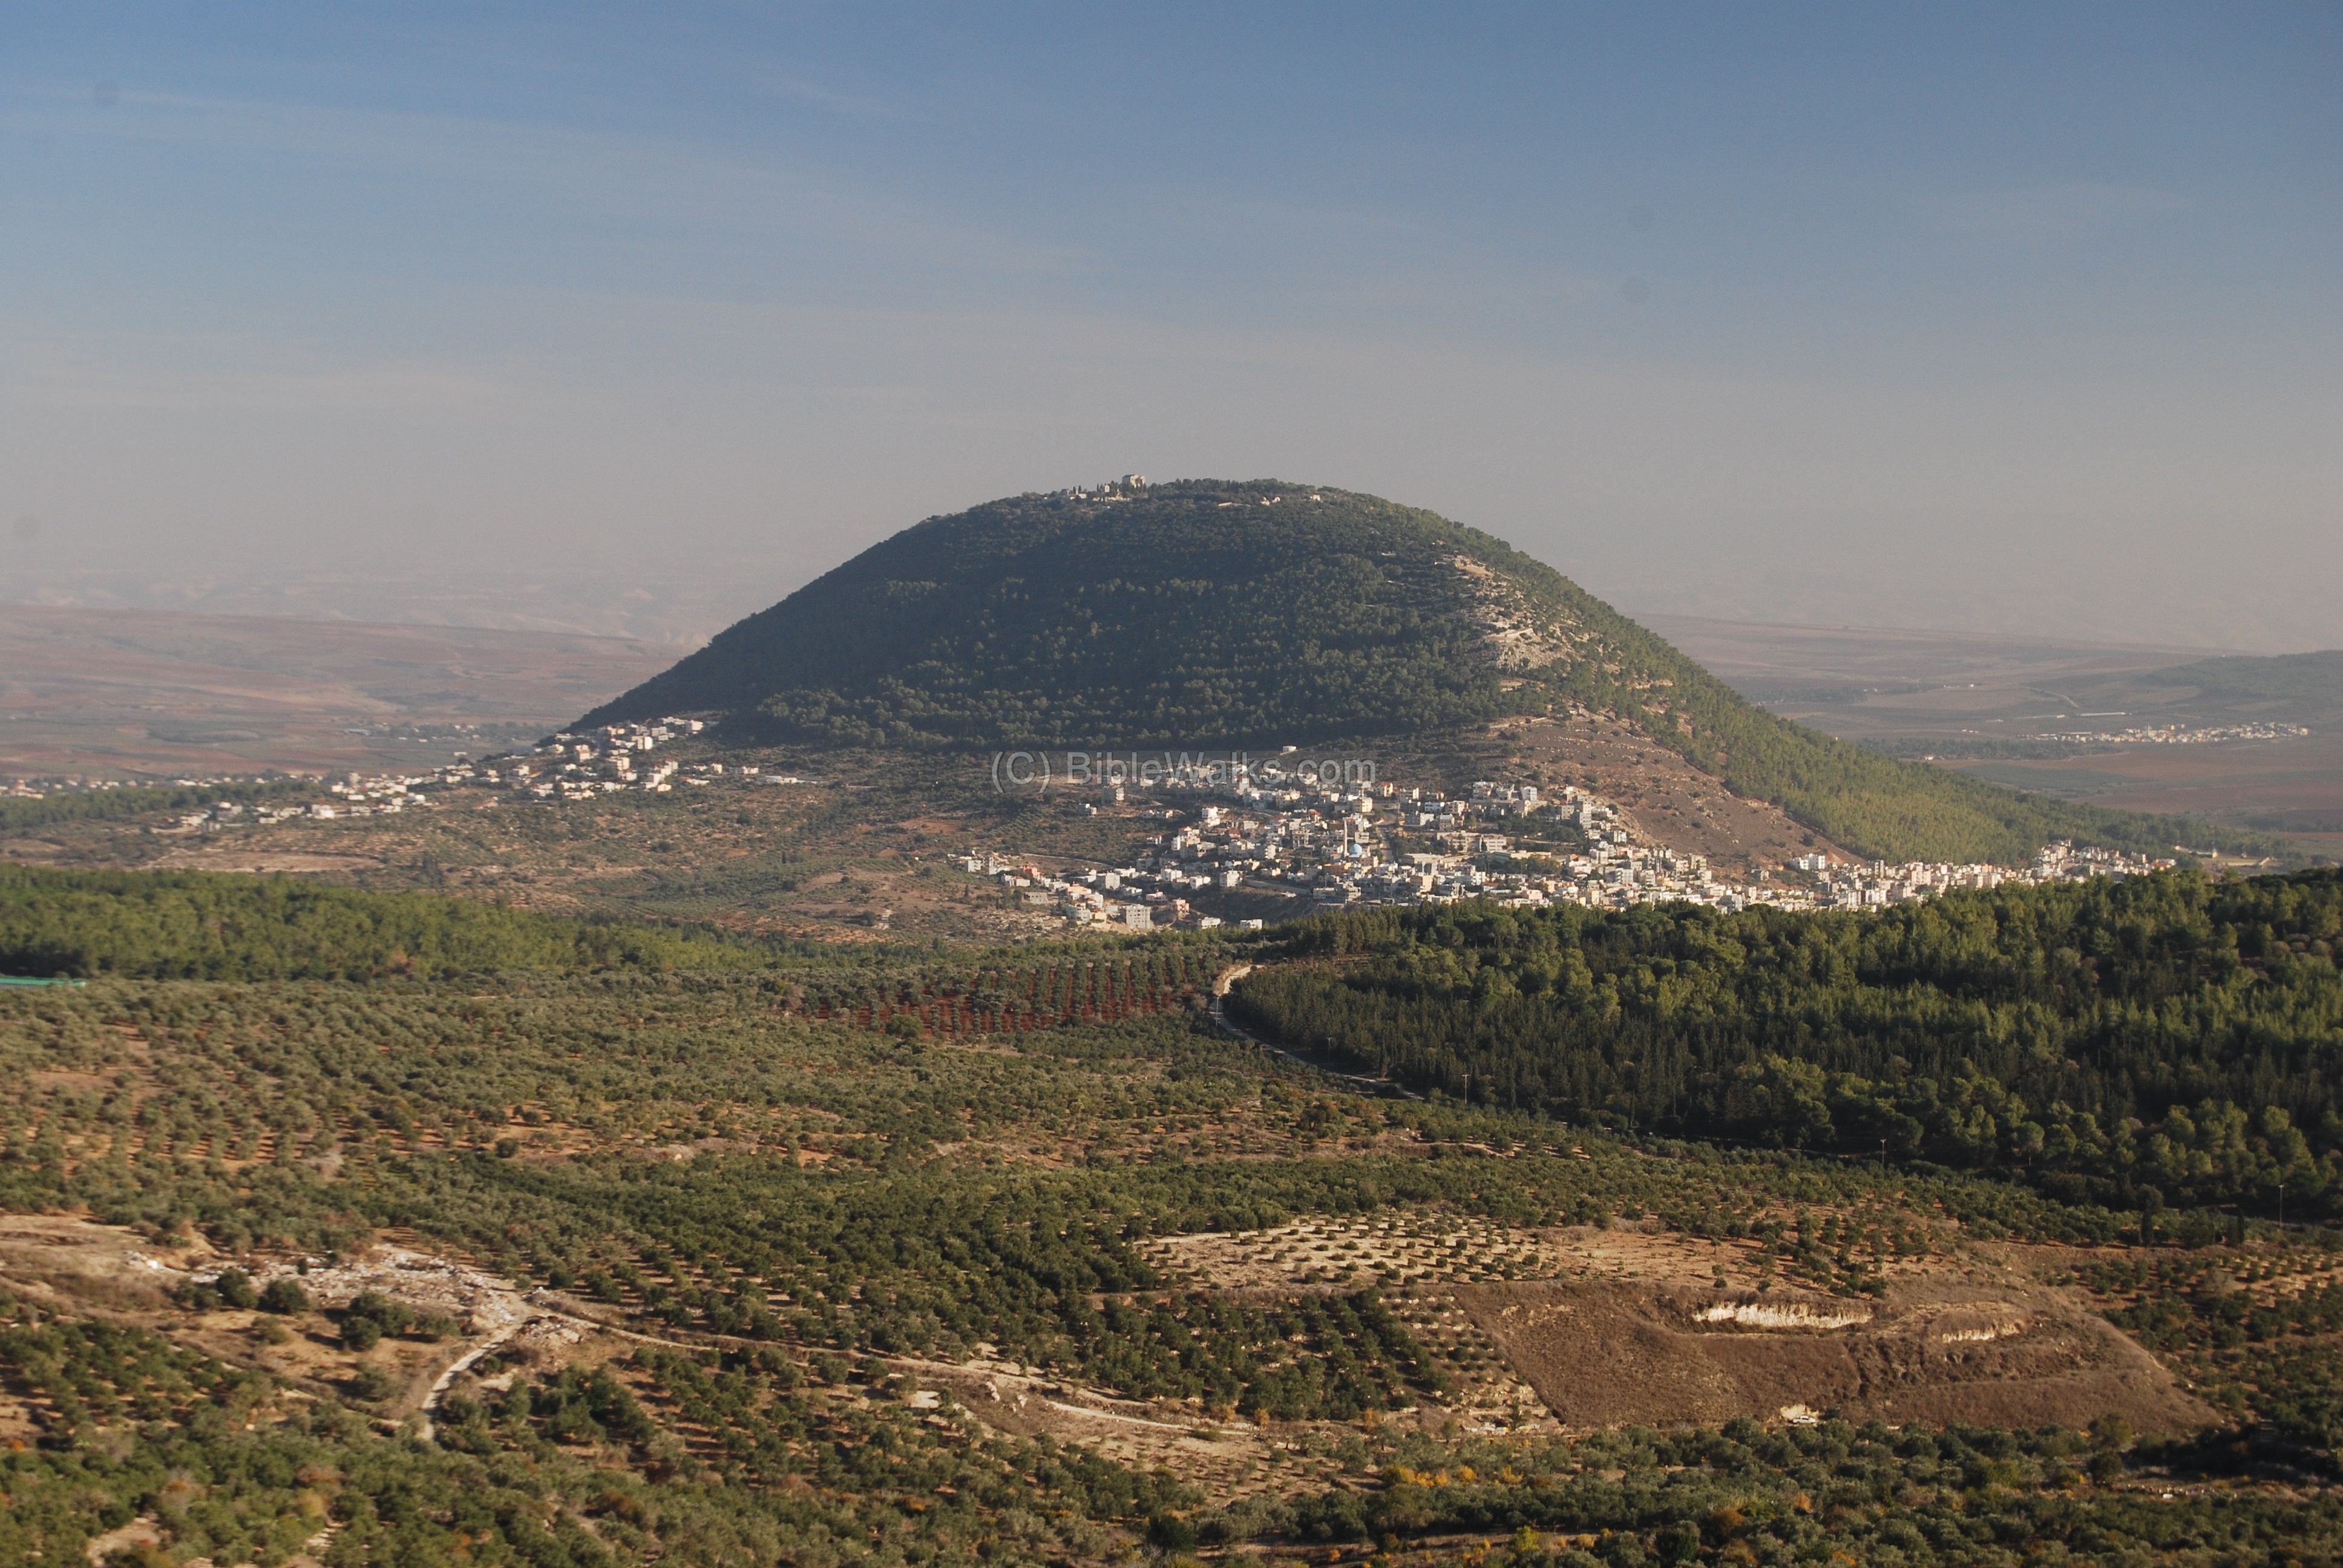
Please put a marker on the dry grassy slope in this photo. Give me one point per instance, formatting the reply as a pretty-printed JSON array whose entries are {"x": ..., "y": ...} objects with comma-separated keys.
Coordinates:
[
  {"x": 1634, "y": 1324},
  {"x": 1665, "y": 797}
]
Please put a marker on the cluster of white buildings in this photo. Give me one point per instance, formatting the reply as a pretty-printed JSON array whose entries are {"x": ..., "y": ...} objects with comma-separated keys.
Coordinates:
[
  {"x": 571, "y": 766},
  {"x": 568, "y": 766},
  {"x": 1327, "y": 832},
  {"x": 352, "y": 795},
  {"x": 2177, "y": 735},
  {"x": 580, "y": 766},
  {"x": 1510, "y": 844},
  {"x": 1126, "y": 489},
  {"x": 225, "y": 814},
  {"x": 1127, "y": 898},
  {"x": 41, "y": 788},
  {"x": 1336, "y": 844},
  {"x": 1872, "y": 885}
]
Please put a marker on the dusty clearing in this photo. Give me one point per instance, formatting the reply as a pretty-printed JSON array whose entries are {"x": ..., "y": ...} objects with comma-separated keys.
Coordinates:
[
  {"x": 1604, "y": 1353},
  {"x": 107, "y": 1263},
  {"x": 1668, "y": 799},
  {"x": 1583, "y": 1327}
]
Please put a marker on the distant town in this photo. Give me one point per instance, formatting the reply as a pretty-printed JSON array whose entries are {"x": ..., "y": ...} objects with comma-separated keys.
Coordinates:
[
  {"x": 1339, "y": 845},
  {"x": 1273, "y": 828},
  {"x": 566, "y": 767},
  {"x": 2176, "y": 735}
]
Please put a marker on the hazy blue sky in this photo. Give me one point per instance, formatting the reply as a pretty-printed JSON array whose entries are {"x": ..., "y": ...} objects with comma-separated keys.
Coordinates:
[{"x": 2012, "y": 317}]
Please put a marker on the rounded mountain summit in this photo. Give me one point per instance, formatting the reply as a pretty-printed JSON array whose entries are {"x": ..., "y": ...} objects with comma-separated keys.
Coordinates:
[
  {"x": 1208, "y": 614},
  {"x": 1228, "y": 615},
  {"x": 1194, "y": 614}
]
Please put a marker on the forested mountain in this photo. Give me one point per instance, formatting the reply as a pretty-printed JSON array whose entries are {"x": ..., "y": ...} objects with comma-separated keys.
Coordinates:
[
  {"x": 1206, "y": 613},
  {"x": 2172, "y": 1039}
]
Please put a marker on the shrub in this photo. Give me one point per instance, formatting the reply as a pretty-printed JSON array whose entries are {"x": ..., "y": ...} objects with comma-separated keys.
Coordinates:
[
  {"x": 235, "y": 1289},
  {"x": 373, "y": 1384},
  {"x": 392, "y": 1315},
  {"x": 284, "y": 1294}
]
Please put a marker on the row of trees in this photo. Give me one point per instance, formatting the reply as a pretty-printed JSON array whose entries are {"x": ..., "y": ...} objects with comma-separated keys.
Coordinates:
[
  {"x": 19, "y": 814},
  {"x": 166, "y": 925},
  {"x": 1106, "y": 985}
]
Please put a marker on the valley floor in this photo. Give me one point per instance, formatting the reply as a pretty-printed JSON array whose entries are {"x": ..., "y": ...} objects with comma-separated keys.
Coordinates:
[{"x": 652, "y": 1264}]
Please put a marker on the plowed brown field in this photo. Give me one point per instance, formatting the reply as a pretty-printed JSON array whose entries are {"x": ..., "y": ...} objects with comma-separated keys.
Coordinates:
[{"x": 1935, "y": 1350}]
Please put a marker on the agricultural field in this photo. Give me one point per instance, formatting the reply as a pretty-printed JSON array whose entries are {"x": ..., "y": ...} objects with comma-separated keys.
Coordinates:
[
  {"x": 1978, "y": 704},
  {"x": 689, "y": 1249},
  {"x": 120, "y": 693}
]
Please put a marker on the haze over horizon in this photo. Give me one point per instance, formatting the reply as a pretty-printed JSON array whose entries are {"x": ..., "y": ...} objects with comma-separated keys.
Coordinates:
[{"x": 1999, "y": 321}]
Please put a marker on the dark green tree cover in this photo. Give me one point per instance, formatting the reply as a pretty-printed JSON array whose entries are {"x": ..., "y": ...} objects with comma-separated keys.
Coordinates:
[
  {"x": 1747, "y": 1495},
  {"x": 2168, "y": 1040},
  {"x": 1169, "y": 620},
  {"x": 1090, "y": 980},
  {"x": 883, "y": 1246},
  {"x": 18, "y": 814},
  {"x": 1195, "y": 616},
  {"x": 184, "y": 924}
]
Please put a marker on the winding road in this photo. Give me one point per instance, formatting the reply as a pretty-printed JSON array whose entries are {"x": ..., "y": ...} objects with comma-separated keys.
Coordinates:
[{"x": 1383, "y": 1088}]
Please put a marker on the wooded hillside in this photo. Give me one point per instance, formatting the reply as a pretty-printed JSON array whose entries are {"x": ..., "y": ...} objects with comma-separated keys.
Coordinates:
[{"x": 2172, "y": 1039}]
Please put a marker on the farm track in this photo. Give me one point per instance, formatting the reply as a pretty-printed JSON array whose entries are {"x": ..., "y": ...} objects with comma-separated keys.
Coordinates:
[{"x": 1380, "y": 1088}]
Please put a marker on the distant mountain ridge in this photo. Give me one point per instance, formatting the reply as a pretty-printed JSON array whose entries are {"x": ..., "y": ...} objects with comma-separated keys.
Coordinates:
[
  {"x": 1208, "y": 613},
  {"x": 2313, "y": 681}
]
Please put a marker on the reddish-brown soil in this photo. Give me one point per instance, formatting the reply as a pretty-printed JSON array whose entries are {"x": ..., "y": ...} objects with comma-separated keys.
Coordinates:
[
  {"x": 1662, "y": 796},
  {"x": 1602, "y": 1353}
]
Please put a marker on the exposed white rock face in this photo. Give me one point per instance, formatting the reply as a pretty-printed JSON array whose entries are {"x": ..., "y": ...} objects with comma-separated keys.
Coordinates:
[
  {"x": 1511, "y": 634},
  {"x": 1782, "y": 1315}
]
